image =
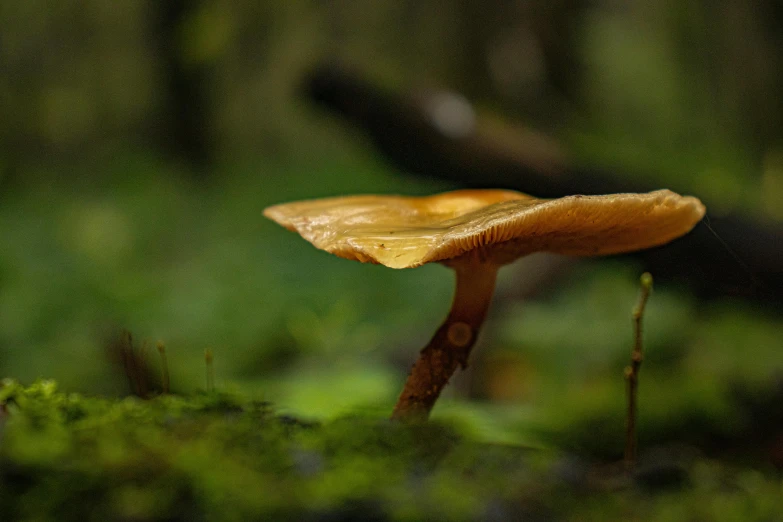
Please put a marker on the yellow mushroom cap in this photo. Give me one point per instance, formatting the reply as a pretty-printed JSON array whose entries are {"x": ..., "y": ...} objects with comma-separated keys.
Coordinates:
[{"x": 497, "y": 225}]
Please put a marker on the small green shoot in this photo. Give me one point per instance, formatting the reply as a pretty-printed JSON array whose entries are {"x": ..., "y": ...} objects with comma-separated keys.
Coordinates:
[{"x": 632, "y": 371}]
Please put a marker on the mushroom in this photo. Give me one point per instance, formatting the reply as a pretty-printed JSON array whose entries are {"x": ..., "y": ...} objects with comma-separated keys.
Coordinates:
[{"x": 475, "y": 232}]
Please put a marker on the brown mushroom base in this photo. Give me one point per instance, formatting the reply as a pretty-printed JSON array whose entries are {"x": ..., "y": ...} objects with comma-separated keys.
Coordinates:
[{"x": 450, "y": 346}]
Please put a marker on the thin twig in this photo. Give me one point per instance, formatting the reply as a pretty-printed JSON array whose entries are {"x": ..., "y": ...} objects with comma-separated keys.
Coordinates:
[
  {"x": 164, "y": 367},
  {"x": 632, "y": 371}
]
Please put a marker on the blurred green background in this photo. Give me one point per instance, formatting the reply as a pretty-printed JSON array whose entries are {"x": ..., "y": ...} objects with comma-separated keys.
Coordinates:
[{"x": 141, "y": 140}]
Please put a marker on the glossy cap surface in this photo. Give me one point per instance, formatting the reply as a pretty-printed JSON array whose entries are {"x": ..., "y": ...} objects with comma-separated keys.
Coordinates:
[{"x": 497, "y": 225}]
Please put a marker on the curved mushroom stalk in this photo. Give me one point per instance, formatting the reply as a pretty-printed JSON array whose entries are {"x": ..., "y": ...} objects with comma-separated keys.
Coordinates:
[{"x": 450, "y": 346}]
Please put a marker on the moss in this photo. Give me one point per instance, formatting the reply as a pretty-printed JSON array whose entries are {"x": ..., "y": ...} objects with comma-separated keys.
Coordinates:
[{"x": 220, "y": 456}]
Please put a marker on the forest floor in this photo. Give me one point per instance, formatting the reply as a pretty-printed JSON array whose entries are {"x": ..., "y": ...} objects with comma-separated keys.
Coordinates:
[{"x": 220, "y": 456}]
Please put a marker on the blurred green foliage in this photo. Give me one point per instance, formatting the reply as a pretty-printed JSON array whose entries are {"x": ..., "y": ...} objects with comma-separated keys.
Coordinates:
[
  {"x": 145, "y": 252},
  {"x": 687, "y": 93}
]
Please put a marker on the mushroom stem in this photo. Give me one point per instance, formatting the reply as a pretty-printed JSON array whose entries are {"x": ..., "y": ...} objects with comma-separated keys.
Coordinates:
[{"x": 452, "y": 342}]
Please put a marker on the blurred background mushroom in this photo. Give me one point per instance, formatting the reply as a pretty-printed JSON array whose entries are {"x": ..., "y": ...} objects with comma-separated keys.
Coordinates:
[{"x": 140, "y": 141}]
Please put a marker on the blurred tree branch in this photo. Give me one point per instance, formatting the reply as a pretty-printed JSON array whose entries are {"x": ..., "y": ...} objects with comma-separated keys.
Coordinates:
[
  {"x": 416, "y": 137},
  {"x": 184, "y": 119}
]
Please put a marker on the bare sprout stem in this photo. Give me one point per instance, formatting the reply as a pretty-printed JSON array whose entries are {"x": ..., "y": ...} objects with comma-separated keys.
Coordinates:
[
  {"x": 133, "y": 365},
  {"x": 632, "y": 371},
  {"x": 164, "y": 367}
]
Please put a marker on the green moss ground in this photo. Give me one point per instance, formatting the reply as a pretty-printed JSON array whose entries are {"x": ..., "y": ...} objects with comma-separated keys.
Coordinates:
[{"x": 217, "y": 456}]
